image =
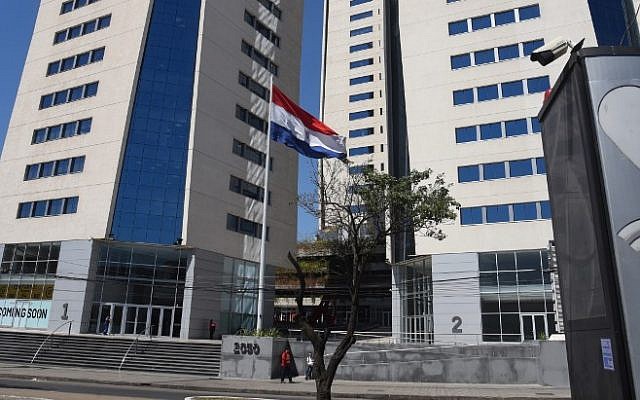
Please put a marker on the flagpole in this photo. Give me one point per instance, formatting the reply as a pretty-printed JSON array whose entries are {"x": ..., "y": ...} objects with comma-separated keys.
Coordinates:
[{"x": 265, "y": 204}]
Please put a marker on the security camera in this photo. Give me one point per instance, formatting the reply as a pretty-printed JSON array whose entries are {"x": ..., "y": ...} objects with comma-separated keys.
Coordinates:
[{"x": 551, "y": 51}]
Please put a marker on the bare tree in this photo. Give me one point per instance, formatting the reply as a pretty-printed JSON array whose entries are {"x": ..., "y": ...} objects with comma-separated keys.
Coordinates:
[{"x": 362, "y": 209}]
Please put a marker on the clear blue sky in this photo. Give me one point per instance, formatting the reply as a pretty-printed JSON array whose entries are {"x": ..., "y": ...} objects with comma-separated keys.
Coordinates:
[{"x": 17, "y": 18}]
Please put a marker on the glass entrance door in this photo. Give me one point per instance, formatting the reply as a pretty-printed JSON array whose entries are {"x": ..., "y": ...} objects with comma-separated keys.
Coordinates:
[
  {"x": 135, "y": 320},
  {"x": 161, "y": 321},
  {"x": 534, "y": 326}
]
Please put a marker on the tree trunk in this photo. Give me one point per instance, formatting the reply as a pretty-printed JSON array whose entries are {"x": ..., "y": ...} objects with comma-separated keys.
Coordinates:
[{"x": 323, "y": 388}]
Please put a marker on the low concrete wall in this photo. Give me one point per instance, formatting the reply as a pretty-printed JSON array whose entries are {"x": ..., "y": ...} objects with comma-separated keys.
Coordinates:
[
  {"x": 543, "y": 363},
  {"x": 252, "y": 357}
]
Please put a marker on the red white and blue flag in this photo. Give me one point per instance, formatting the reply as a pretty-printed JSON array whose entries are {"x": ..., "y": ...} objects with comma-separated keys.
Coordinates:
[{"x": 296, "y": 128}]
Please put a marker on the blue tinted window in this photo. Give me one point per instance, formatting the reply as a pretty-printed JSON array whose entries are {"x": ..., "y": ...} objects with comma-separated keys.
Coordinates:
[
  {"x": 46, "y": 169},
  {"x": 361, "y": 63},
  {"x": 89, "y": 27},
  {"x": 24, "y": 210},
  {"x": 353, "y": 3},
  {"x": 32, "y": 172},
  {"x": 360, "y": 132},
  {"x": 493, "y": 171},
  {"x": 74, "y": 32},
  {"x": 490, "y": 131},
  {"x": 67, "y": 64},
  {"x": 516, "y": 127},
  {"x": 487, "y": 92},
  {"x": 537, "y": 85},
  {"x": 71, "y": 205},
  {"x": 76, "y": 93},
  {"x": 469, "y": 173},
  {"x": 510, "y": 89},
  {"x": 53, "y": 68},
  {"x": 520, "y": 168},
  {"x": 84, "y": 126},
  {"x": 360, "y": 47},
  {"x": 484, "y": 56},
  {"x": 545, "y": 209},
  {"x": 525, "y": 212},
  {"x": 535, "y": 125},
  {"x": 360, "y": 97},
  {"x": 97, "y": 55},
  {"x": 360, "y": 80},
  {"x": 466, "y": 134},
  {"x": 40, "y": 208},
  {"x": 62, "y": 167},
  {"x": 91, "y": 89},
  {"x": 481, "y": 22},
  {"x": 360, "y": 115},
  {"x": 66, "y": 7},
  {"x": 471, "y": 215},
  {"x": 82, "y": 59},
  {"x": 55, "y": 207},
  {"x": 505, "y": 17},
  {"x": 39, "y": 136},
  {"x": 498, "y": 214},
  {"x": 541, "y": 166},
  {"x": 529, "y": 12},
  {"x": 358, "y": 151},
  {"x": 460, "y": 61},
  {"x": 54, "y": 132},
  {"x": 361, "y": 31},
  {"x": 361, "y": 15},
  {"x": 69, "y": 129},
  {"x": 77, "y": 164},
  {"x": 46, "y": 101},
  {"x": 529, "y": 47},
  {"x": 464, "y": 96},
  {"x": 104, "y": 22},
  {"x": 458, "y": 27},
  {"x": 508, "y": 52},
  {"x": 60, "y": 37}
]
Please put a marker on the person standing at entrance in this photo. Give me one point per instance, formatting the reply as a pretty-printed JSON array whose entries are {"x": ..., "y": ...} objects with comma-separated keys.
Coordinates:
[
  {"x": 212, "y": 328},
  {"x": 105, "y": 325},
  {"x": 309, "y": 372},
  {"x": 285, "y": 365}
]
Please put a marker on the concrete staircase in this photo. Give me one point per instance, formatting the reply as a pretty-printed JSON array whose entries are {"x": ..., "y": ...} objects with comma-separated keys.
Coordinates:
[{"x": 106, "y": 352}]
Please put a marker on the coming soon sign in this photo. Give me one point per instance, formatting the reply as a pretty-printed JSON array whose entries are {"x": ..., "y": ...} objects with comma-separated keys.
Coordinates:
[{"x": 30, "y": 314}]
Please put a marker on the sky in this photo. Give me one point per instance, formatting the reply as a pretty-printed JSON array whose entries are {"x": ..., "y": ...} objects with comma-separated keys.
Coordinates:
[{"x": 17, "y": 19}]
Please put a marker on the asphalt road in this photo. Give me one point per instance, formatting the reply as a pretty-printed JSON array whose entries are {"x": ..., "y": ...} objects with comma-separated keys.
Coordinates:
[{"x": 15, "y": 389}]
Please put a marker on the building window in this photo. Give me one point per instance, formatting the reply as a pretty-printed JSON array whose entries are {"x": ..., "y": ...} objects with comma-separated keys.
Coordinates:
[
  {"x": 525, "y": 212},
  {"x": 253, "y": 86},
  {"x": 272, "y": 7},
  {"x": 471, "y": 215},
  {"x": 489, "y": 92},
  {"x": 362, "y": 15},
  {"x": 511, "y": 89},
  {"x": 261, "y": 28},
  {"x": 541, "y": 166},
  {"x": 535, "y": 125},
  {"x": 516, "y": 127},
  {"x": 82, "y": 29},
  {"x": 469, "y": 173},
  {"x": 464, "y": 96},
  {"x": 55, "y": 132},
  {"x": 247, "y": 189},
  {"x": 505, "y": 17},
  {"x": 481, "y": 22},
  {"x": 360, "y": 169},
  {"x": 497, "y": 213},
  {"x": 466, "y": 134},
  {"x": 354, "y": 133},
  {"x": 71, "y": 5},
  {"x": 360, "y": 47},
  {"x": 361, "y": 31},
  {"x": 529, "y": 12},
  {"x": 520, "y": 168},
  {"x": 354, "y": 116},
  {"x": 508, "y": 52},
  {"x": 494, "y": 130},
  {"x": 458, "y": 27},
  {"x": 77, "y": 61},
  {"x": 360, "y": 97},
  {"x": 48, "y": 208},
  {"x": 251, "y": 119},
  {"x": 245, "y": 226},
  {"x": 54, "y": 168},
  {"x": 358, "y": 151},
  {"x": 249, "y": 153},
  {"x": 260, "y": 58},
  {"x": 484, "y": 57},
  {"x": 461, "y": 61},
  {"x": 530, "y": 47},
  {"x": 538, "y": 85},
  {"x": 359, "y": 80},
  {"x": 361, "y": 63},
  {"x": 493, "y": 171},
  {"x": 490, "y": 131},
  {"x": 69, "y": 95},
  {"x": 354, "y": 3}
]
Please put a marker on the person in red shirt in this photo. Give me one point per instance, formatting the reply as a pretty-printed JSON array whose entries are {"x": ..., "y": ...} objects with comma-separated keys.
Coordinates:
[
  {"x": 286, "y": 358},
  {"x": 212, "y": 328}
]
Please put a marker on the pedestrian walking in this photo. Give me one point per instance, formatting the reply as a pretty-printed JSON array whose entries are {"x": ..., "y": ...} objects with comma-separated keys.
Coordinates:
[
  {"x": 286, "y": 358},
  {"x": 212, "y": 328},
  {"x": 308, "y": 374},
  {"x": 105, "y": 325}
]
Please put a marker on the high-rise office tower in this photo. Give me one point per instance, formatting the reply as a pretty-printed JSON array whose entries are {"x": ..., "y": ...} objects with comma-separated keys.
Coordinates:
[
  {"x": 448, "y": 85},
  {"x": 132, "y": 170}
]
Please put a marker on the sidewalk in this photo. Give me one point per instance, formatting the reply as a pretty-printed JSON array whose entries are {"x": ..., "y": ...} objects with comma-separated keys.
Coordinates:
[{"x": 273, "y": 388}]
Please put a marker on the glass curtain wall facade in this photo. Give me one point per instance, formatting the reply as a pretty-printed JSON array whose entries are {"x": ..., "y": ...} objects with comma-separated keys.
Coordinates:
[
  {"x": 240, "y": 303},
  {"x": 516, "y": 296},
  {"x": 415, "y": 287},
  {"x": 150, "y": 201},
  {"x": 141, "y": 289}
]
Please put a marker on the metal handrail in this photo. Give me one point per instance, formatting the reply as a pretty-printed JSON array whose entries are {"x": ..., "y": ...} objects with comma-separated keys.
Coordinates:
[
  {"x": 49, "y": 337},
  {"x": 135, "y": 343}
]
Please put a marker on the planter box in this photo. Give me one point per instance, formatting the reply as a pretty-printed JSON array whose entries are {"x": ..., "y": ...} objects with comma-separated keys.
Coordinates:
[{"x": 251, "y": 357}]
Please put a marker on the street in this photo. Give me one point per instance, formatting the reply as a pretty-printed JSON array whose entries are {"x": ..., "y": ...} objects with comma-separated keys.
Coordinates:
[{"x": 16, "y": 389}]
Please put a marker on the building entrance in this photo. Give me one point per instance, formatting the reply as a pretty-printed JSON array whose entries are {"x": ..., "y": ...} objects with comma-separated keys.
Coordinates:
[
  {"x": 131, "y": 319},
  {"x": 534, "y": 326}
]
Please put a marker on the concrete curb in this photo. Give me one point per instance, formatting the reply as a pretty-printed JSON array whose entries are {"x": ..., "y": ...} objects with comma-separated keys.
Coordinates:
[{"x": 272, "y": 392}]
